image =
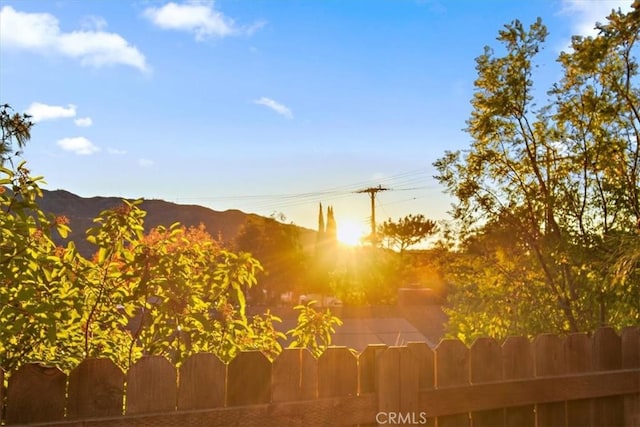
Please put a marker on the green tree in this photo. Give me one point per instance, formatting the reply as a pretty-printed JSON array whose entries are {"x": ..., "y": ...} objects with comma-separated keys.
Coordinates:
[
  {"x": 314, "y": 328},
  {"x": 496, "y": 288},
  {"x": 366, "y": 275},
  {"x": 171, "y": 292},
  {"x": 14, "y": 128},
  {"x": 277, "y": 246},
  {"x": 562, "y": 177},
  {"x": 38, "y": 299},
  {"x": 407, "y": 231}
]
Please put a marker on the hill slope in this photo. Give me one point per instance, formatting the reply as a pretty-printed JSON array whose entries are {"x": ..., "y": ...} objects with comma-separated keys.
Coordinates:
[{"x": 82, "y": 210}]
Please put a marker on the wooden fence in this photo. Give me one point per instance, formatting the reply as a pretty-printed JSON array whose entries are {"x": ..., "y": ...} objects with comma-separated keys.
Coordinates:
[{"x": 577, "y": 380}]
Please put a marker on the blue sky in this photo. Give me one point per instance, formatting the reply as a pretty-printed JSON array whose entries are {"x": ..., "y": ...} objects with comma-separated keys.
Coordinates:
[{"x": 264, "y": 106}]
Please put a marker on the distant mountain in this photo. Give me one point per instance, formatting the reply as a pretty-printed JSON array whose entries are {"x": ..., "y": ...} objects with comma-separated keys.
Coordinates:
[{"x": 82, "y": 210}]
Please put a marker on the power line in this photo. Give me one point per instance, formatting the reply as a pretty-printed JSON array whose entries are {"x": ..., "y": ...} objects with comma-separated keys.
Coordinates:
[
  {"x": 372, "y": 191},
  {"x": 404, "y": 181}
]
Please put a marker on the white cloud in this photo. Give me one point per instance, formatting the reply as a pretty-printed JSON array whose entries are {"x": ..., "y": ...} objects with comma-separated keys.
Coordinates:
[
  {"x": 197, "y": 17},
  {"x": 145, "y": 163},
  {"x": 115, "y": 151},
  {"x": 83, "y": 122},
  {"x": 585, "y": 13},
  {"x": 275, "y": 106},
  {"x": 79, "y": 145},
  {"x": 40, "y": 112},
  {"x": 253, "y": 28},
  {"x": 40, "y": 33},
  {"x": 92, "y": 22}
]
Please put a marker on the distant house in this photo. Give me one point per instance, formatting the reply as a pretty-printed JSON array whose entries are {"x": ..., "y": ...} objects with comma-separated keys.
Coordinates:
[
  {"x": 321, "y": 300},
  {"x": 413, "y": 319}
]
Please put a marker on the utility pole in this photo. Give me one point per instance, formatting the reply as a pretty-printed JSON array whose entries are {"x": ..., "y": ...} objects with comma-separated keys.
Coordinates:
[{"x": 372, "y": 191}]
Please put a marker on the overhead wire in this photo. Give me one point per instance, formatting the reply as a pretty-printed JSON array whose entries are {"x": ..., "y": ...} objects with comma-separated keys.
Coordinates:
[
  {"x": 404, "y": 181},
  {"x": 273, "y": 202}
]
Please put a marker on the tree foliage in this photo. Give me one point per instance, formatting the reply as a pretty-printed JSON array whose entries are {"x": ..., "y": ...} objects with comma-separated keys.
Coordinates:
[
  {"x": 38, "y": 298},
  {"x": 314, "y": 328},
  {"x": 366, "y": 275},
  {"x": 171, "y": 292},
  {"x": 547, "y": 192},
  {"x": 407, "y": 231},
  {"x": 14, "y": 128},
  {"x": 277, "y": 246}
]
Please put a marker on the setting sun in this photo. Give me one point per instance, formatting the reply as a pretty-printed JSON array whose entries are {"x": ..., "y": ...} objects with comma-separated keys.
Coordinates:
[{"x": 351, "y": 232}]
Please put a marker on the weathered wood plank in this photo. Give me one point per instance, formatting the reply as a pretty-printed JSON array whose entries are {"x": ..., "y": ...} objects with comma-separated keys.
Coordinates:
[
  {"x": 564, "y": 374},
  {"x": 249, "y": 379},
  {"x": 607, "y": 355},
  {"x": 479, "y": 397},
  {"x": 578, "y": 359},
  {"x": 630, "y": 341},
  {"x": 286, "y": 376},
  {"x": 36, "y": 393},
  {"x": 549, "y": 361},
  {"x": 346, "y": 411},
  {"x": 398, "y": 381},
  {"x": 426, "y": 360},
  {"x": 362, "y": 409},
  {"x": 518, "y": 358},
  {"x": 485, "y": 365},
  {"x": 1, "y": 395},
  {"x": 151, "y": 386},
  {"x": 309, "y": 370},
  {"x": 607, "y": 350},
  {"x": 389, "y": 387},
  {"x": 202, "y": 382},
  {"x": 96, "y": 389},
  {"x": 518, "y": 363},
  {"x": 367, "y": 368},
  {"x": 337, "y": 373},
  {"x": 630, "y": 344},
  {"x": 409, "y": 381},
  {"x": 368, "y": 381},
  {"x": 452, "y": 369}
]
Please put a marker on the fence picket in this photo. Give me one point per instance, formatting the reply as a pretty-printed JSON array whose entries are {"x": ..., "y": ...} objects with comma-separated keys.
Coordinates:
[
  {"x": 309, "y": 369},
  {"x": 367, "y": 368},
  {"x": 425, "y": 358},
  {"x": 397, "y": 373},
  {"x": 151, "y": 386},
  {"x": 286, "y": 376},
  {"x": 485, "y": 365},
  {"x": 630, "y": 340},
  {"x": 337, "y": 377},
  {"x": 518, "y": 363},
  {"x": 202, "y": 382},
  {"x": 452, "y": 369},
  {"x": 36, "y": 393},
  {"x": 96, "y": 389},
  {"x": 337, "y": 373},
  {"x": 1, "y": 395},
  {"x": 549, "y": 361},
  {"x": 579, "y": 359},
  {"x": 249, "y": 379},
  {"x": 412, "y": 382},
  {"x": 293, "y": 379},
  {"x": 607, "y": 352}
]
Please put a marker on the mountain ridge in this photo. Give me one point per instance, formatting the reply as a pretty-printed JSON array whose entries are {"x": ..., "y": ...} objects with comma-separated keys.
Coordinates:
[{"x": 81, "y": 211}]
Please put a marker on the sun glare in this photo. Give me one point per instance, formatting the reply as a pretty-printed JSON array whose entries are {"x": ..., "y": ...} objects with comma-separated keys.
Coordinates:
[{"x": 350, "y": 232}]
